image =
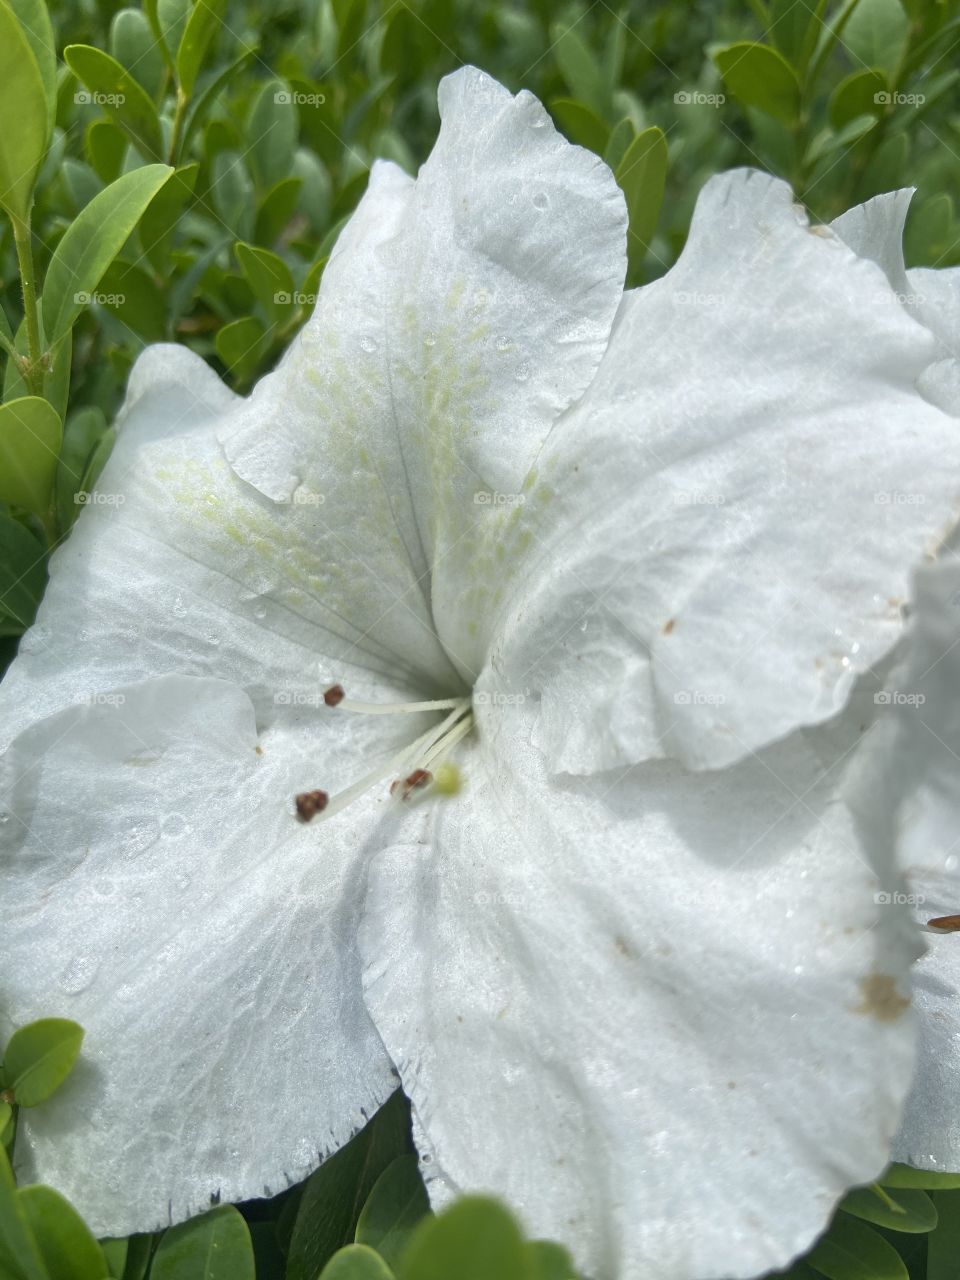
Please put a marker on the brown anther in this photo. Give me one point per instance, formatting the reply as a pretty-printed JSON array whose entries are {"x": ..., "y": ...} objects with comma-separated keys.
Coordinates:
[
  {"x": 334, "y": 695},
  {"x": 310, "y": 803},
  {"x": 419, "y": 778},
  {"x": 945, "y": 924}
]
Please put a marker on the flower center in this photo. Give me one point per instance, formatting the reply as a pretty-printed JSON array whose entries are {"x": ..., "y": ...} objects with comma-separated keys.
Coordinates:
[{"x": 422, "y": 763}]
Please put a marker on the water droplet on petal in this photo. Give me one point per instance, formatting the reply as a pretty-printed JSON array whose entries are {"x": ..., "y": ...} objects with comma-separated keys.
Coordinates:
[
  {"x": 78, "y": 974},
  {"x": 540, "y": 201},
  {"x": 367, "y": 343},
  {"x": 429, "y": 339},
  {"x": 504, "y": 344},
  {"x": 523, "y": 371},
  {"x": 4, "y": 818}
]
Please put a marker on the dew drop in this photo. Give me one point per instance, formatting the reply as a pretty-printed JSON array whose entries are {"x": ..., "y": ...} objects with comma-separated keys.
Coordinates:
[
  {"x": 78, "y": 975},
  {"x": 523, "y": 371},
  {"x": 540, "y": 201},
  {"x": 504, "y": 344},
  {"x": 260, "y": 613},
  {"x": 429, "y": 339},
  {"x": 367, "y": 343},
  {"x": 179, "y": 609},
  {"x": 4, "y": 819}
]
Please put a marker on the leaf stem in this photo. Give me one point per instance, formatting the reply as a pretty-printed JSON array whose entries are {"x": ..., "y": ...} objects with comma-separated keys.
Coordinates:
[{"x": 33, "y": 369}]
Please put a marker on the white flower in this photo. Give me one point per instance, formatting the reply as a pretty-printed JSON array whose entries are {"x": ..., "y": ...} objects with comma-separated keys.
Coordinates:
[{"x": 635, "y": 977}]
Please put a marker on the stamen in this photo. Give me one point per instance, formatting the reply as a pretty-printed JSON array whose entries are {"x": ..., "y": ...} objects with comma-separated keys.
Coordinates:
[
  {"x": 310, "y": 803},
  {"x": 335, "y": 697}
]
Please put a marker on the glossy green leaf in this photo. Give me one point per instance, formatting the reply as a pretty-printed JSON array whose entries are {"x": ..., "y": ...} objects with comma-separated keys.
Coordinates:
[
  {"x": 943, "y": 1243},
  {"x": 903, "y": 1175},
  {"x": 864, "y": 92},
  {"x": 356, "y": 1262},
  {"x": 205, "y": 17},
  {"x": 92, "y": 242},
  {"x": 393, "y": 1209},
  {"x": 641, "y": 175},
  {"x": 215, "y": 1246},
  {"x": 202, "y": 102},
  {"x": 30, "y": 434},
  {"x": 23, "y": 575},
  {"x": 39, "y": 1057},
  {"x": 334, "y": 1195},
  {"x": 131, "y": 294},
  {"x": 474, "y": 1239},
  {"x": 68, "y": 1249},
  {"x": 172, "y": 18},
  {"x": 794, "y": 28},
  {"x": 35, "y": 23},
  {"x": 23, "y": 108},
  {"x": 548, "y": 1261},
  {"x": 113, "y": 88},
  {"x": 269, "y": 277},
  {"x": 877, "y": 34},
  {"x": 580, "y": 124},
  {"x": 139, "y": 1253},
  {"x": 620, "y": 138},
  {"x": 20, "y": 1257},
  {"x": 908, "y": 1209},
  {"x": 759, "y": 76},
  {"x": 853, "y": 1251}
]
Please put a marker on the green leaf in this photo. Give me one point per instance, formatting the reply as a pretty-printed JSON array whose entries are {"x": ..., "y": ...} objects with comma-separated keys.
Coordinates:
[
  {"x": 641, "y": 175},
  {"x": 23, "y": 575},
  {"x": 853, "y": 1251},
  {"x": 114, "y": 89},
  {"x": 205, "y": 17},
  {"x": 241, "y": 345},
  {"x": 216, "y": 1246},
  {"x": 394, "y": 1207},
  {"x": 356, "y": 1262},
  {"x": 620, "y": 138},
  {"x": 20, "y": 1258},
  {"x": 548, "y": 1261},
  {"x": 903, "y": 1175},
  {"x": 115, "y": 1252},
  {"x": 39, "y": 1057},
  {"x": 584, "y": 73},
  {"x": 133, "y": 44},
  {"x": 877, "y": 34},
  {"x": 581, "y": 125},
  {"x": 92, "y": 242},
  {"x": 139, "y": 1253},
  {"x": 335, "y": 1194},
  {"x": 202, "y": 102},
  {"x": 131, "y": 294},
  {"x": 30, "y": 435},
  {"x": 905, "y": 1210},
  {"x": 863, "y": 92},
  {"x": 105, "y": 146},
  {"x": 475, "y": 1239},
  {"x": 276, "y": 210},
  {"x": 793, "y": 28},
  {"x": 943, "y": 1244},
  {"x": 35, "y": 23},
  {"x": 161, "y": 215},
  {"x": 23, "y": 108},
  {"x": 269, "y": 277},
  {"x": 83, "y": 431},
  {"x": 760, "y": 77},
  {"x": 69, "y": 1250},
  {"x": 172, "y": 17},
  {"x": 272, "y": 133}
]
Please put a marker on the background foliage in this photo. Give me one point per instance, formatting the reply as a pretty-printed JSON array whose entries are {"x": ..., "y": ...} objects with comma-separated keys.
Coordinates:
[{"x": 180, "y": 171}]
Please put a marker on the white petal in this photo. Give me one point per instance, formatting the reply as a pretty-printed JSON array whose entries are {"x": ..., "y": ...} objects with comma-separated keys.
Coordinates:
[
  {"x": 660, "y": 1013},
  {"x": 158, "y": 890},
  {"x": 458, "y": 316},
  {"x": 874, "y": 230},
  {"x": 721, "y": 532}
]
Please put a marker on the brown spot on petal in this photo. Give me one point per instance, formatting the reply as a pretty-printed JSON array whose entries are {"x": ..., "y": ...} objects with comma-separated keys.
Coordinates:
[
  {"x": 310, "y": 803},
  {"x": 881, "y": 999},
  {"x": 945, "y": 924},
  {"x": 258, "y": 749},
  {"x": 334, "y": 695},
  {"x": 623, "y": 947},
  {"x": 668, "y": 626}
]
